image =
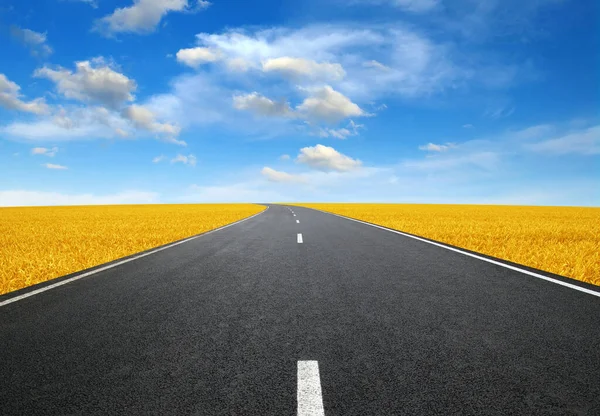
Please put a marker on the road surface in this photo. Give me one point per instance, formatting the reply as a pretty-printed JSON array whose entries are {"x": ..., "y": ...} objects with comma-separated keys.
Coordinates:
[{"x": 295, "y": 311}]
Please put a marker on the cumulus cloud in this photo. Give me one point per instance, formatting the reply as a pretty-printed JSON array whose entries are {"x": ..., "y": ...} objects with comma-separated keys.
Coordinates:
[
  {"x": 280, "y": 176},
  {"x": 261, "y": 105},
  {"x": 143, "y": 16},
  {"x": 36, "y": 42},
  {"x": 186, "y": 160},
  {"x": 326, "y": 104},
  {"x": 10, "y": 98},
  {"x": 432, "y": 147},
  {"x": 21, "y": 198},
  {"x": 194, "y": 57},
  {"x": 93, "y": 81},
  {"x": 415, "y": 64},
  {"x": 53, "y": 166},
  {"x": 144, "y": 118},
  {"x": 327, "y": 159},
  {"x": 298, "y": 67},
  {"x": 44, "y": 151}
]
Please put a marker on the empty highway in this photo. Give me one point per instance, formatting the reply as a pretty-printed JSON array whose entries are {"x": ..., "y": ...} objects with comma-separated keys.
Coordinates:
[{"x": 300, "y": 312}]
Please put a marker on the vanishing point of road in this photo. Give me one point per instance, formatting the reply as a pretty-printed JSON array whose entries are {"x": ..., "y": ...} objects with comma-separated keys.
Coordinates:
[{"x": 299, "y": 312}]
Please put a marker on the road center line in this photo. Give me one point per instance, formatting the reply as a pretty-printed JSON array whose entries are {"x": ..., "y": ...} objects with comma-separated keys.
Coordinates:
[
  {"x": 299, "y": 238},
  {"x": 297, "y": 221},
  {"x": 310, "y": 397},
  {"x": 294, "y": 215}
]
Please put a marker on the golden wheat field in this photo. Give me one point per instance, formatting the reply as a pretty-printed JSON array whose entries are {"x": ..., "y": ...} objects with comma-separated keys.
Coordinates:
[
  {"x": 41, "y": 243},
  {"x": 561, "y": 240}
]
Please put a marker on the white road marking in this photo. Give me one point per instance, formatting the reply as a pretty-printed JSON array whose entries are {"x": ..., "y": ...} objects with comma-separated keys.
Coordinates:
[
  {"x": 297, "y": 221},
  {"x": 299, "y": 238},
  {"x": 310, "y": 397},
  {"x": 110, "y": 266},
  {"x": 508, "y": 266},
  {"x": 294, "y": 215}
]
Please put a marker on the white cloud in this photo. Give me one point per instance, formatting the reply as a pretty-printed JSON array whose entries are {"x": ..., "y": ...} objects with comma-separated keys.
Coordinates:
[
  {"x": 237, "y": 192},
  {"x": 432, "y": 147},
  {"x": 417, "y": 66},
  {"x": 93, "y": 81},
  {"x": 92, "y": 3},
  {"x": 534, "y": 132},
  {"x": 53, "y": 166},
  {"x": 467, "y": 126},
  {"x": 499, "y": 112},
  {"x": 158, "y": 159},
  {"x": 280, "y": 176},
  {"x": 194, "y": 57},
  {"x": 44, "y": 151},
  {"x": 584, "y": 142},
  {"x": 261, "y": 105},
  {"x": 327, "y": 158},
  {"x": 284, "y": 157},
  {"x": 414, "y": 6},
  {"x": 326, "y": 104},
  {"x": 486, "y": 160},
  {"x": 144, "y": 118},
  {"x": 9, "y": 98},
  {"x": 299, "y": 67},
  {"x": 72, "y": 124},
  {"x": 144, "y": 16},
  {"x": 342, "y": 133},
  {"x": 376, "y": 64},
  {"x": 238, "y": 65},
  {"x": 36, "y": 42},
  {"x": 186, "y": 160},
  {"x": 10, "y": 198}
]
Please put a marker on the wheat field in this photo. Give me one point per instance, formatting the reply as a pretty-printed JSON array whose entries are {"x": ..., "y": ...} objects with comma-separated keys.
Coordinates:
[
  {"x": 41, "y": 243},
  {"x": 561, "y": 240}
]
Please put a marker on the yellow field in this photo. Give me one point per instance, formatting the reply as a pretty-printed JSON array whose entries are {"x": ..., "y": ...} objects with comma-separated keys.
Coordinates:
[
  {"x": 40, "y": 243},
  {"x": 561, "y": 240}
]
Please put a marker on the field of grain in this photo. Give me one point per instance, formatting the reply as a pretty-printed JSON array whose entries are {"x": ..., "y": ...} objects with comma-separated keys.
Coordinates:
[
  {"x": 561, "y": 240},
  {"x": 41, "y": 243}
]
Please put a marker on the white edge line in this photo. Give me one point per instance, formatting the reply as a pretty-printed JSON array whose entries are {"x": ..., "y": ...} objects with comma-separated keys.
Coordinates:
[
  {"x": 64, "y": 282},
  {"x": 300, "y": 238},
  {"x": 508, "y": 266},
  {"x": 309, "y": 396}
]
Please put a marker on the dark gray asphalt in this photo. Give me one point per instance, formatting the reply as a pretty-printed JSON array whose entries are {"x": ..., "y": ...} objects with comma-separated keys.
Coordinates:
[{"x": 215, "y": 326}]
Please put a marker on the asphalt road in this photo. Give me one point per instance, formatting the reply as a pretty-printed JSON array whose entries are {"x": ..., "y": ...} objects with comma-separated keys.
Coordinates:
[{"x": 218, "y": 325}]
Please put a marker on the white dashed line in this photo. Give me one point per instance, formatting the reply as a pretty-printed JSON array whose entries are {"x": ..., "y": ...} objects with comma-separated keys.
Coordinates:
[
  {"x": 294, "y": 215},
  {"x": 310, "y": 398},
  {"x": 297, "y": 221},
  {"x": 299, "y": 238}
]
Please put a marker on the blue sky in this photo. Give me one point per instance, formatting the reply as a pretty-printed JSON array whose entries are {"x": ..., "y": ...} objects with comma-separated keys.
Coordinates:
[{"x": 432, "y": 101}]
